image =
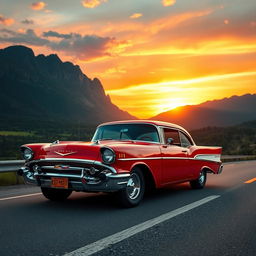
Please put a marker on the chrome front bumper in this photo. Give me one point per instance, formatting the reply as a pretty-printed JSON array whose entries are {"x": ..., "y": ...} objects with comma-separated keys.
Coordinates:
[{"x": 105, "y": 178}]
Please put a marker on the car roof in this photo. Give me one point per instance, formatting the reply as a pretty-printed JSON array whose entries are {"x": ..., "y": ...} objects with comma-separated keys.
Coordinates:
[{"x": 154, "y": 122}]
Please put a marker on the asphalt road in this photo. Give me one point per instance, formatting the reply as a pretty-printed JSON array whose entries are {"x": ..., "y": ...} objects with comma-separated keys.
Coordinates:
[{"x": 218, "y": 220}]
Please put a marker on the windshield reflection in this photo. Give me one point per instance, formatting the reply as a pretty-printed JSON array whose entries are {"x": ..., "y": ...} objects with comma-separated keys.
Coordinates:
[{"x": 138, "y": 132}]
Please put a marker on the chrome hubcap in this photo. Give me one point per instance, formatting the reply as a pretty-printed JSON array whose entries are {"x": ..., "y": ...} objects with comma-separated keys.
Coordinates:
[
  {"x": 201, "y": 178},
  {"x": 133, "y": 186}
]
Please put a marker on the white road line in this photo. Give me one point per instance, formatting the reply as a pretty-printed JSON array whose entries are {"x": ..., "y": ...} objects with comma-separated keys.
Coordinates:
[
  {"x": 15, "y": 197},
  {"x": 120, "y": 236}
]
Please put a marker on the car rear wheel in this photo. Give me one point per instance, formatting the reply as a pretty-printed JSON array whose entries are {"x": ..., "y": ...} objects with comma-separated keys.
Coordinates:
[
  {"x": 133, "y": 194},
  {"x": 56, "y": 194},
  {"x": 199, "y": 183}
]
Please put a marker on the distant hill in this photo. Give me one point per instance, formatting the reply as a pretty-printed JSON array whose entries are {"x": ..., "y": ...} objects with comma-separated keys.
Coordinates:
[
  {"x": 224, "y": 112},
  {"x": 45, "y": 88},
  {"x": 235, "y": 140}
]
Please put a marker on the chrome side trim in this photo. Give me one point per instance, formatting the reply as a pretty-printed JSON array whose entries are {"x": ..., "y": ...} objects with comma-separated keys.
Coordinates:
[
  {"x": 140, "y": 158},
  {"x": 152, "y": 158},
  {"x": 85, "y": 161},
  {"x": 208, "y": 157},
  {"x": 211, "y": 158},
  {"x": 184, "y": 158}
]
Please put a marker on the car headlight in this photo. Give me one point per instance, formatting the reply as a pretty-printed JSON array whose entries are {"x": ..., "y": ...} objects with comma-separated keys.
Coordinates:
[
  {"x": 108, "y": 156},
  {"x": 27, "y": 154}
]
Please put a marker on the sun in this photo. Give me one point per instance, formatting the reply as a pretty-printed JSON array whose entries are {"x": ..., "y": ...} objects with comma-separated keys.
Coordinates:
[{"x": 170, "y": 104}]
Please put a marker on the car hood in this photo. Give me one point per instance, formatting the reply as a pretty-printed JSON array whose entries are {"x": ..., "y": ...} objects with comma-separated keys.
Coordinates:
[{"x": 76, "y": 150}]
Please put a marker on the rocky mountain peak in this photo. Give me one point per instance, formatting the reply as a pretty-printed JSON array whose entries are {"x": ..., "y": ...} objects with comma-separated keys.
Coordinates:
[
  {"x": 18, "y": 51},
  {"x": 44, "y": 87}
]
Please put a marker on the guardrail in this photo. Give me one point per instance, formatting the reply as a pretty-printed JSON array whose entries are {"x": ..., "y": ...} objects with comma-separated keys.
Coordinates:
[
  {"x": 15, "y": 165},
  {"x": 11, "y": 166},
  {"x": 230, "y": 158}
]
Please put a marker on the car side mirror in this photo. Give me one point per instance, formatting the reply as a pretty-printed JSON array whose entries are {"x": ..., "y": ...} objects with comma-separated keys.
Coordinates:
[{"x": 170, "y": 141}]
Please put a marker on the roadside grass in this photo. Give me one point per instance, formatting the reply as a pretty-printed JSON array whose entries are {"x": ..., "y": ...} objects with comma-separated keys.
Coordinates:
[{"x": 10, "y": 178}]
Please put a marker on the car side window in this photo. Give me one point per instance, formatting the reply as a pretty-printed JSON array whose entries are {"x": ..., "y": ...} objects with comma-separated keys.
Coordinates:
[
  {"x": 170, "y": 133},
  {"x": 185, "y": 141}
]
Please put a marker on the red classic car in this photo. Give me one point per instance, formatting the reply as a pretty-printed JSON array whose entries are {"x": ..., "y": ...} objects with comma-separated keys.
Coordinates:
[{"x": 125, "y": 157}]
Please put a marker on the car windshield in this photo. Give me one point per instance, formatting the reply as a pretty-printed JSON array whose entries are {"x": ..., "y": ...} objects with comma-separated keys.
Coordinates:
[{"x": 141, "y": 132}]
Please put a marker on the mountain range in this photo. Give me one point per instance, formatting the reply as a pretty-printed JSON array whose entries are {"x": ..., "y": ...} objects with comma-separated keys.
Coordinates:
[
  {"x": 45, "y": 88},
  {"x": 216, "y": 113}
]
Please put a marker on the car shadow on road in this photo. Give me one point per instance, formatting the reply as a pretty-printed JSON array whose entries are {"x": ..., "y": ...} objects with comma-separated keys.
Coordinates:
[
  {"x": 108, "y": 201},
  {"x": 81, "y": 200}
]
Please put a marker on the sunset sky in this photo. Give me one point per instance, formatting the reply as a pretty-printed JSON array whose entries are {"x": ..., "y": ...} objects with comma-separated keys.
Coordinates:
[{"x": 150, "y": 55}]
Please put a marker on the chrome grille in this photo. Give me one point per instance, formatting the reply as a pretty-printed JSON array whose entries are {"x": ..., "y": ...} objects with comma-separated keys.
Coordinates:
[{"x": 74, "y": 173}]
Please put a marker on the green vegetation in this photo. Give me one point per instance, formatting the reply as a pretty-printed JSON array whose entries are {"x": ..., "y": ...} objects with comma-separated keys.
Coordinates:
[
  {"x": 10, "y": 178},
  {"x": 237, "y": 140},
  {"x": 24, "y": 132},
  {"x": 15, "y": 133}
]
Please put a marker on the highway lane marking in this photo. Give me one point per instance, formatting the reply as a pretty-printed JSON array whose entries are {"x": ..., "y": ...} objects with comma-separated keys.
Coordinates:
[
  {"x": 122, "y": 235},
  {"x": 15, "y": 197},
  {"x": 250, "y": 181}
]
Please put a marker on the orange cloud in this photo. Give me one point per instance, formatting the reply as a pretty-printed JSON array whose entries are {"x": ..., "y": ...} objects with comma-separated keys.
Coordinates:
[
  {"x": 173, "y": 21},
  {"x": 136, "y": 15},
  {"x": 142, "y": 32},
  {"x": 6, "y": 21},
  {"x": 82, "y": 47},
  {"x": 168, "y": 2},
  {"x": 92, "y": 3},
  {"x": 38, "y": 6}
]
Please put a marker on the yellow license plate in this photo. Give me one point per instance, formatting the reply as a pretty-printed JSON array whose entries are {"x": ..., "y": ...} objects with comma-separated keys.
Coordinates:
[{"x": 60, "y": 183}]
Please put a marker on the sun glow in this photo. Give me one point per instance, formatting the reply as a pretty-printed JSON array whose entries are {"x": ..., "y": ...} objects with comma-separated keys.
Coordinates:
[
  {"x": 152, "y": 99},
  {"x": 171, "y": 104}
]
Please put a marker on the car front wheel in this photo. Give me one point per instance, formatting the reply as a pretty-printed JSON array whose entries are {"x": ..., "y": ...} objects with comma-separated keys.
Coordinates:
[
  {"x": 199, "y": 183},
  {"x": 133, "y": 194},
  {"x": 56, "y": 194}
]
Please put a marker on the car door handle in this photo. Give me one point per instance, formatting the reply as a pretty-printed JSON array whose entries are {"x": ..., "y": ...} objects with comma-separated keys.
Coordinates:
[{"x": 184, "y": 151}]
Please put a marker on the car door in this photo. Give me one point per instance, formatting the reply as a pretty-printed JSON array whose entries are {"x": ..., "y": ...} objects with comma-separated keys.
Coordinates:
[
  {"x": 187, "y": 143},
  {"x": 174, "y": 157}
]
